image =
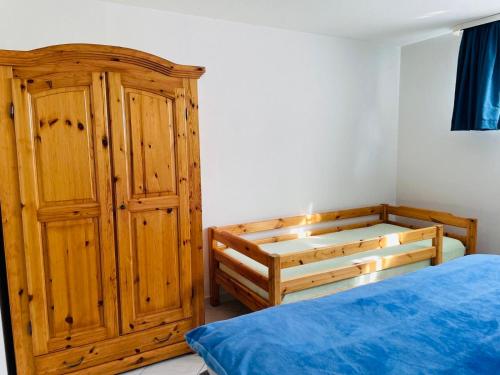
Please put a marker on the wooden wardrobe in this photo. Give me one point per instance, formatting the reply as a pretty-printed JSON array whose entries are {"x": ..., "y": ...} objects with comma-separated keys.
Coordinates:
[{"x": 101, "y": 207}]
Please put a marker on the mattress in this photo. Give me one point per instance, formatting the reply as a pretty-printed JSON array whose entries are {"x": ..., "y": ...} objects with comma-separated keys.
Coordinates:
[
  {"x": 439, "y": 320},
  {"x": 452, "y": 249}
]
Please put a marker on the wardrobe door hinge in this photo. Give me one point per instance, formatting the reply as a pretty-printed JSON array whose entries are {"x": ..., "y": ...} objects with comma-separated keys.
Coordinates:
[
  {"x": 30, "y": 329},
  {"x": 186, "y": 114},
  {"x": 11, "y": 111}
]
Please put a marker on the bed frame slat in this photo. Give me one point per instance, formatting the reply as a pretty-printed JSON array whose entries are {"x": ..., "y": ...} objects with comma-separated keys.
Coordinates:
[
  {"x": 429, "y": 215},
  {"x": 258, "y": 279},
  {"x": 293, "y": 221},
  {"x": 459, "y": 237},
  {"x": 326, "y": 252},
  {"x": 245, "y": 295},
  {"x": 316, "y": 232},
  {"x": 242, "y": 245}
]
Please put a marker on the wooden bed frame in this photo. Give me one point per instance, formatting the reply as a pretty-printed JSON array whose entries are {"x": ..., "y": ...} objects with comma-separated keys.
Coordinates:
[{"x": 231, "y": 236}]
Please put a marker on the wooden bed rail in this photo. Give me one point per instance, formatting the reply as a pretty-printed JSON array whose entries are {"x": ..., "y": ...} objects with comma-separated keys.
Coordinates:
[
  {"x": 327, "y": 252},
  {"x": 241, "y": 245},
  {"x": 434, "y": 253},
  {"x": 217, "y": 255},
  {"x": 385, "y": 262},
  {"x": 445, "y": 218},
  {"x": 311, "y": 232},
  {"x": 275, "y": 263},
  {"x": 294, "y": 221}
]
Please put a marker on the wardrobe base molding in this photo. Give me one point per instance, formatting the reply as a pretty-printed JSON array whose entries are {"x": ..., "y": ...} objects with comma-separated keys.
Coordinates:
[
  {"x": 139, "y": 360},
  {"x": 127, "y": 349}
]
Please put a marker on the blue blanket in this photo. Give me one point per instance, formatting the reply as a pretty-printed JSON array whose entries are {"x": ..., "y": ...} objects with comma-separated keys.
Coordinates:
[{"x": 440, "y": 320}]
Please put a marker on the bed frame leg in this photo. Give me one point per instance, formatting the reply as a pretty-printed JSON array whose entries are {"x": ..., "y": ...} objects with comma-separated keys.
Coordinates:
[
  {"x": 213, "y": 266},
  {"x": 214, "y": 294},
  {"x": 471, "y": 236},
  {"x": 274, "y": 275},
  {"x": 214, "y": 290},
  {"x": 437, "y": 242},
  {"x": 384, "y": 216}
]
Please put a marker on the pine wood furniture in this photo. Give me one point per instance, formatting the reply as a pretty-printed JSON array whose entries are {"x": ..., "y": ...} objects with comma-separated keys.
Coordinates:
[
  {"x": 101, "y": 207},
  {"x": 236, "y": 238}
]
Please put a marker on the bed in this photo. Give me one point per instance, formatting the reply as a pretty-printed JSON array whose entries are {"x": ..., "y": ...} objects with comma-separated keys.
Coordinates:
[
  {"x": 439, "y": 320},
  {"x": 285, "y": 260}
]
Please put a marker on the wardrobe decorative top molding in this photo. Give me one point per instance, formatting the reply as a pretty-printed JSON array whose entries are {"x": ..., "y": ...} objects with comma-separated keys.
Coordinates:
[{"x": 105, "y": 56}]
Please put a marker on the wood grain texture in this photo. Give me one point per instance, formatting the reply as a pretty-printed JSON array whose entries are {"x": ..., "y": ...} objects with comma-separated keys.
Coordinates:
[
  {"x": 384, "y": 215},
  {"x": 460, "y": 237},
  {"x": 242, "y": 245},
  {"x": 13, "y": 231},
  {"x": 53, "y": 110},
  {"x": 444, "y": 218},
  {"x": 429, "y": 215},
  {"x": 274, "y": 272},
  {"x": 314, "y": 218},
  {"x": 62, "y": 213},
  {"x": 106, "y": 56},
  {"x": 139, "y": 360},
  {"x": 184, "y": 206},
  {"x": 241, "y": 268},
  {"x": 231, "y": 236},
  {"x": 150, "y": 146},
  {"x": 105, "y": 197},
  {"x": 245, "y": 295},
  {"x": 472, "y": 236},
  {"x": 74, "y": 288},
  {"x": 31, "y": 229},
  {"x": 347, "y": 272},
  {"x": 90, "y": 355},
  {"x": 195, "y": 209},
  {"x": 70, "y": 257},
  {"x": 437, "y": 243},
  {"x": 315, "y": 232},
  {"x": 59, "y": 245},
  {"x": 327, "y": 252},
  {"x": 151, "y": 132},
  {"x": 213, "y": 267}
]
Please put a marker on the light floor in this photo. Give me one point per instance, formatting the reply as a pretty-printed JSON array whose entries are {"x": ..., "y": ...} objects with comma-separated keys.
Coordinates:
[{"x": 191, "y": 364}]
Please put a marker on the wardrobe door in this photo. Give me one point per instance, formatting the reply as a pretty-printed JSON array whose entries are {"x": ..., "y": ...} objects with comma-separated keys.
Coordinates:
[
  {"x": 150, "y": 157},
  {"x": 64, "y": 169}
]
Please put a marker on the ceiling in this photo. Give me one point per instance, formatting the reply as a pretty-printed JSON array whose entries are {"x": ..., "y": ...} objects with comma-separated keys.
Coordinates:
[{"x": 396, "y": 22}]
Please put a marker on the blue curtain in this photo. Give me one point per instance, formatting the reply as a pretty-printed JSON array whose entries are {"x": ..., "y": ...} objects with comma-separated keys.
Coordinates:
[{"x": 477, "y": 91}]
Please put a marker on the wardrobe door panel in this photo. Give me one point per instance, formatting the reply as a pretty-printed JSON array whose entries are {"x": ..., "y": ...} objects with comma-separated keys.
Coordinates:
[
  {"x": 151, "y": 123},
  {"x": 66, "y": 195},
  {"x": 63, "y": 142},
  {"x": 157, "y": 272},
  {"x": 152, "y": 199}
]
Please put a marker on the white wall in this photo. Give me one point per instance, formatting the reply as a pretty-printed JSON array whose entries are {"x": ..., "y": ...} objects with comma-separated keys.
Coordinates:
[
  {"x": 455, "y": 171},
  {"x": 290, "y": 122}
]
